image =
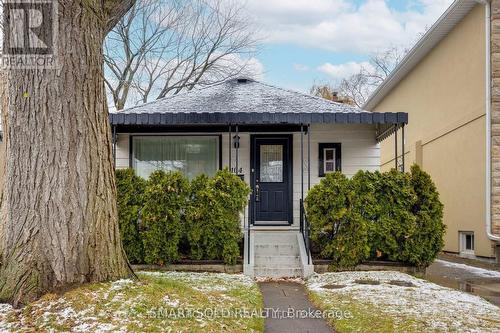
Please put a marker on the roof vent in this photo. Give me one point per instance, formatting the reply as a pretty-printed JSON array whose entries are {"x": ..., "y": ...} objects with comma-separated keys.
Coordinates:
[{"x": 242, "y": 80}]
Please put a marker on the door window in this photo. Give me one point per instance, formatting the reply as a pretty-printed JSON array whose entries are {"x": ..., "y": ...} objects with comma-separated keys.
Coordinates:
[{"x": 271, "y": 163}]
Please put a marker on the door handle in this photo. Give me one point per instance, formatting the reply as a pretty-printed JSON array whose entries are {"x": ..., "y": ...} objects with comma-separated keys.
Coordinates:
[{"x": 257, "y": 193}]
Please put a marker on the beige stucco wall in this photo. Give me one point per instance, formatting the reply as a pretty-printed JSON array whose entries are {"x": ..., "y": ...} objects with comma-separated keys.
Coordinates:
[{"x": 445, "y": 98}]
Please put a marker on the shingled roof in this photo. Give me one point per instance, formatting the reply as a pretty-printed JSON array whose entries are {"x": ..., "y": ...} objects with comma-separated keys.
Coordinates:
[{"x": 246, "y": 101}]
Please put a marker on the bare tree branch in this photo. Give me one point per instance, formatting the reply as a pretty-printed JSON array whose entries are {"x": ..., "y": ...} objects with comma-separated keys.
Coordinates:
[
  {"x": 162, "y": 47},
  {"x": 358, "y": 87}
]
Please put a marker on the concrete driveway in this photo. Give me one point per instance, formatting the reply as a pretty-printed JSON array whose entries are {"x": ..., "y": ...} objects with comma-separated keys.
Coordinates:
[{"x": 460, "y": 274}]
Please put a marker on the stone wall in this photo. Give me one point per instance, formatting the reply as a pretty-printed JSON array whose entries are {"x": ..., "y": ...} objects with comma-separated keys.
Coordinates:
[{"x": 495, "y": 115}]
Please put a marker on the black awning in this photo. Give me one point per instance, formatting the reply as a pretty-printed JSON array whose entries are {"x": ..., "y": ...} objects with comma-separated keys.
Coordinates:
[{"x": 256, "y": 118}]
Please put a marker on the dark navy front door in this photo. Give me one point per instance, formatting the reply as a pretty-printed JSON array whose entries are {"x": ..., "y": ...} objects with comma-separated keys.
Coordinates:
[{"x": 271, "y": 180}]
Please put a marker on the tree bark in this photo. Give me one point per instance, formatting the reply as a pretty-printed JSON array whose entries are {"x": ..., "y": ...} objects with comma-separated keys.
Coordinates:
[
  {"x": 3, "y": 107},
  {"x": 60, "y": 223}
]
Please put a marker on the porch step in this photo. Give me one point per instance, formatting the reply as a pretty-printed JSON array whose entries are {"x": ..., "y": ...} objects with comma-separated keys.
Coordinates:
[
  {"x": 277, "y": 249},
  {"x": 271, "y": 238},
  {"x": 276, "y": 254},
  {"x": 277, "y": 272},
  {"x": 274, "y": 261}
]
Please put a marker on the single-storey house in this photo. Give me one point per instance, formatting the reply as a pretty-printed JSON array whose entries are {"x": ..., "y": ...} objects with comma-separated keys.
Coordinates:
[{"x": 280, "y": 142}]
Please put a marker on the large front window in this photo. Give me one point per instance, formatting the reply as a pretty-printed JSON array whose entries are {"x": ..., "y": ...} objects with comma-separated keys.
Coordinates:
[{"x": 191, "y": 155}]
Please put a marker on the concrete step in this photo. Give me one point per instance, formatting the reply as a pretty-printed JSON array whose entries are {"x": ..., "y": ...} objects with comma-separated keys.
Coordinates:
[
  {"x": 276, "y": 254},
  {"x": 275, "y": 237},
  {"x": 277, "y": 249},
  {"x": 272, "y": 261},
  {"x": 277, "y": 272}
]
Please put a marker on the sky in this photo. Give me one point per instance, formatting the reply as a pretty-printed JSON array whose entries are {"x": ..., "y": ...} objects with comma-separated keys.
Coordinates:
[{"x": 322, "y": 41}]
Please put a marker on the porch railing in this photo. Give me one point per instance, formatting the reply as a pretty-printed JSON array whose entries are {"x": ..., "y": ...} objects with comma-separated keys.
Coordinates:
[
  {"x": 248, "y": 224},
  {"x": 305, "y": 230}
]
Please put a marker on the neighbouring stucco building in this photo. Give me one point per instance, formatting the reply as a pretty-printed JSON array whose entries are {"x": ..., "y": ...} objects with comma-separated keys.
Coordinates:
[{"x": 449, "y": 84}]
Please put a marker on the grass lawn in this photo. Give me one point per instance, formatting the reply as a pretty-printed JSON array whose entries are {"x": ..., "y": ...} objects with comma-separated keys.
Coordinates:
[
  {"x": 397, "y": 302},
  {"x": 158, "y": 302}
]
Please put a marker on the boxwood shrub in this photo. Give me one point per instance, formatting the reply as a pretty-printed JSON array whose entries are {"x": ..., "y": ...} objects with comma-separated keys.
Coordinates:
[{"x": 398, "y": 216}]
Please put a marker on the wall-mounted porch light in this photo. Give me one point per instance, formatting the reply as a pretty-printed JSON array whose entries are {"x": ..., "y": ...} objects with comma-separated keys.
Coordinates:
[{"x": 236, "y": 142}]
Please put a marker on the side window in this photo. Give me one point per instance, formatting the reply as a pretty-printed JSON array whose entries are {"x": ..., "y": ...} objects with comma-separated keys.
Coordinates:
[{"x": 330, "y": 158}]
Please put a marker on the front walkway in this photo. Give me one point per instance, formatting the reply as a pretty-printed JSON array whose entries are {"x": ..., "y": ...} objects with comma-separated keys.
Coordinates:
[{"x": 289, "y": 302}]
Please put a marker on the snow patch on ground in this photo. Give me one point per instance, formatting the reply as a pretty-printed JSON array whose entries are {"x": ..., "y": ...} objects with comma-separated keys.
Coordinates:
[
  {"x": 4, "y": 308},
  {"x": 112, "y": 306},
  {"x": 441, "y": 308},
  {"x": 171, "y": 302},
  {"x": 120, "y": 284},
  {"x": 474, "y": 270},
  {"x": 5, "y": 311},
  {"x": 207, "y": 281}
]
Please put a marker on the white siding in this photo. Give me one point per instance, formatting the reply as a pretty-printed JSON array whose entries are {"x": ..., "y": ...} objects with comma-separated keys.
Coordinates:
[
  {"x": 122, "y": 151},
  {"x": 359, "y": 152}
]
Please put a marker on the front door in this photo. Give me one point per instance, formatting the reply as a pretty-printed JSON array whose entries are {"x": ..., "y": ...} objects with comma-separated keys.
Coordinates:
[{"x": 271, "y": 158}]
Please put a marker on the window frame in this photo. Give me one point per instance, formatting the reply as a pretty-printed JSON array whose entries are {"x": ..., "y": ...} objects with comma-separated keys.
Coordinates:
[
  {"x": 337, "y": 147},
  {"x": 463, "y": 243},
  {"x": 132, "y": 136},
  {"x": 282, "y": 164},
  {"x": 326, "y": 161}
]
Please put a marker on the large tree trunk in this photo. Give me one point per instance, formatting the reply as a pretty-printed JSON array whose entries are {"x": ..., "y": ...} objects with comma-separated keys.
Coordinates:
[
  {"x": 59, "y": 198},
  {"x": 4, "y": 101}
]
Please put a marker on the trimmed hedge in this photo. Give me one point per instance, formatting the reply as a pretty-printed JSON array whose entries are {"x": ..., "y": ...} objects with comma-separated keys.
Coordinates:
[
  {"x": 164, "y": 198},
  {"x": 392, "y": 215},
  {"x": 337, "y": 227},
  {"x": 394, "y": 223},
  {"x": 212, "y": 217},
  {"x": 203, "y": 213},
  {"x": 428, "y": 210},
  {"x": 130, "y": 189}
]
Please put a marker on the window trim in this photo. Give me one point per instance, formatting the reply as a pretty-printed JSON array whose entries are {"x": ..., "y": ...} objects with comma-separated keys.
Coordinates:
[
  {"x": 337, "y": 146},
  {"x": 463, "y": 243},
  {"x": 131, "y": 144},
  {"x": 325, "y": 160}
]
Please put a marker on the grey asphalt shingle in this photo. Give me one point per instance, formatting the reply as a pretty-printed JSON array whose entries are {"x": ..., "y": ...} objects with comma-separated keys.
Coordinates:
[
  {"x": 242, "y": 96},
  {"x": 249, "y": 102}
]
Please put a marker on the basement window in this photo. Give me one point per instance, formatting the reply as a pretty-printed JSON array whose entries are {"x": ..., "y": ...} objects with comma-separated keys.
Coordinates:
[{"x": 466, "y": 243}]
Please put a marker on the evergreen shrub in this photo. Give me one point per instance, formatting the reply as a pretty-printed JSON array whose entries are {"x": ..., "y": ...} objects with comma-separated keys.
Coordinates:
[{"x": 393, "y": 215}]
